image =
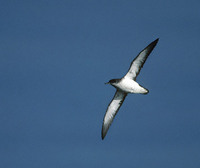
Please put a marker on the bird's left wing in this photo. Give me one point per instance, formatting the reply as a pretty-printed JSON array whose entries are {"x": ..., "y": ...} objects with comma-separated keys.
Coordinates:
[
  {"x": 112, "y": 110},
  {"x": 139, "y": 61}
]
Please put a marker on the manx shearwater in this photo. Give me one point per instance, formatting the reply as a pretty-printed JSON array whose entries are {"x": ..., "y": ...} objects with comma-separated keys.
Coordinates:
[{"x": 126, "y": 85}]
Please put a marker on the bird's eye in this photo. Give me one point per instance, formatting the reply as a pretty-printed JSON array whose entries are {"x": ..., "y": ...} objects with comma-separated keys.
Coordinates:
[{"x": 112, "y": 81}]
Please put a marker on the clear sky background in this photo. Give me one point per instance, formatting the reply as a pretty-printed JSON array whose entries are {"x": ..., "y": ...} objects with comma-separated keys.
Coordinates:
[{"x": 55, "y": 57}]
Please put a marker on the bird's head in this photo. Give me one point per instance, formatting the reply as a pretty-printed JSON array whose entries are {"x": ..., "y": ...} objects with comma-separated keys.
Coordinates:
[{"x": 112, "y": 81}]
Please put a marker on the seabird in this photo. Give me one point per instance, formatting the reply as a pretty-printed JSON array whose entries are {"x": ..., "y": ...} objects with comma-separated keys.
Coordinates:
[{"x": 126, "y": 85}]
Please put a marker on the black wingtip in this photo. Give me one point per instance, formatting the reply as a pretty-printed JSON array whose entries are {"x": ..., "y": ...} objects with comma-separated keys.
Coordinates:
[
  {"x": 152, "y": 45},
  {"x": 103, "y": 134},
  {"x": 155, "y": 41}
]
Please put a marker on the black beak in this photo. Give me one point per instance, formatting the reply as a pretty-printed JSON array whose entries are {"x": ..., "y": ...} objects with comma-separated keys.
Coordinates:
[{"x": 107, "y": 83}]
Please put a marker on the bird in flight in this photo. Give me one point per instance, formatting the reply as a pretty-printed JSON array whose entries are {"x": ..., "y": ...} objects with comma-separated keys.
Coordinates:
[{"x": 126, "y": 85}]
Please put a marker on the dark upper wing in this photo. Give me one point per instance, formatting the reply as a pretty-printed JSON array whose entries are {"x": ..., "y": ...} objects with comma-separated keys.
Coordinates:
[
  {"x": 112, "y": 111},
  {"x": 139, "y": 61}
]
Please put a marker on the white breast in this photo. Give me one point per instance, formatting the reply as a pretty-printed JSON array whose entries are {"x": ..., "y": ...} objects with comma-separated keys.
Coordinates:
[{"x": 130, "y": 86}]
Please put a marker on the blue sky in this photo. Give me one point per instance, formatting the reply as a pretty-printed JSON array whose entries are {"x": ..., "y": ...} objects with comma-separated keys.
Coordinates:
[{"x": 55, "y": 57}]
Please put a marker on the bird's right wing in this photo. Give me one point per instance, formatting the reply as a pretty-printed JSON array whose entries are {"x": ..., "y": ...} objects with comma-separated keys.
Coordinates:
[{"x": 112, "y": 110}]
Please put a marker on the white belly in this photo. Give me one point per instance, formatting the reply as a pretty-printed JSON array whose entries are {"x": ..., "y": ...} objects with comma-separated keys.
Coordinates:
[{"x": 130, "y": 86}]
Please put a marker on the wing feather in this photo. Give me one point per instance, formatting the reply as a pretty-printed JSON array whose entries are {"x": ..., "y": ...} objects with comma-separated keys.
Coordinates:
[
  {"x": 139, "y": 61},
  {"x": 112, "y": 110}
]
